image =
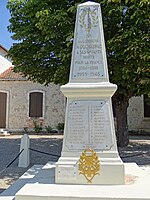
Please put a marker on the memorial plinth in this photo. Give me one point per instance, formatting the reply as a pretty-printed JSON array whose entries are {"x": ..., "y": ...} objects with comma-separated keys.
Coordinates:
[{"x": 89, "y": 119}]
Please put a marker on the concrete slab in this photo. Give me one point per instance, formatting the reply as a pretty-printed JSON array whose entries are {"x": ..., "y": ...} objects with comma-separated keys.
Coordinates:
[
  {"x": 7, "y": 198},
  {"x": 9, "y": 194},
  {"x": 42, "y": 187}
]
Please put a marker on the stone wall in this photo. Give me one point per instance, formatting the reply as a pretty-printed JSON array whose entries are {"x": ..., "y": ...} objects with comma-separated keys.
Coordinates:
[
  {"x": 18, "y": 104},
  {"x": 136, "y": 119}
]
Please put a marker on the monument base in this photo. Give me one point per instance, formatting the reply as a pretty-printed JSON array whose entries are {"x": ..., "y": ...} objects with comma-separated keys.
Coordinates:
[
  {"x": 42, "y": 187},
  {"x": 111, "y": 172}
]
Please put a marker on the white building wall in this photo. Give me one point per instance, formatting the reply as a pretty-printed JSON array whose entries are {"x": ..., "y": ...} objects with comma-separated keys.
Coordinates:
[
  {"x": 18, "y": 113},
  {"x": 4, "y": 63}
]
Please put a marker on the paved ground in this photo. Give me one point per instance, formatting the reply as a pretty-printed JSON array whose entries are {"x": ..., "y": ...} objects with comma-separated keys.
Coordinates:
[
  {"x": 139, "y": 146},
  {"x": 9, "y": 148}
]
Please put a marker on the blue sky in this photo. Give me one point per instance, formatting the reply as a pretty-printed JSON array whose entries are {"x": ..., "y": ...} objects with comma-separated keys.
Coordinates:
[{"x": 5, "y": 36}]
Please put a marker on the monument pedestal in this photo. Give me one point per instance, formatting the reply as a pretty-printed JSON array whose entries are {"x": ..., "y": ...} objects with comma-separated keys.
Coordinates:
[
  {"x": 89, "y": 123},
  {"x": 43, "y": 187},
  {"x": 111, "y": 172}
]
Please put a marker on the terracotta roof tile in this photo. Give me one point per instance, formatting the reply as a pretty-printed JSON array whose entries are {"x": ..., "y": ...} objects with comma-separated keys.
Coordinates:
[
  {"x": 10, "y": 75},
  {"x": 1, "y": 47}
]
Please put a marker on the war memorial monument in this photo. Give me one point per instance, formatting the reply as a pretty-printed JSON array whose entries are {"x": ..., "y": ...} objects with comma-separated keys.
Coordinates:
[
  {"x": 89, "y": 118},
  {"x": 89, "y": 167}
]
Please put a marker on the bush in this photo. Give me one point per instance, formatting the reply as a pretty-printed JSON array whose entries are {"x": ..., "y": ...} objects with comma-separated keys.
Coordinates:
[
  {"x": 25, "y": 129},
  {"x": 60, "y": 127},
  {"x": 48, "y": 129},
  {"x": 37, "y": 128}
]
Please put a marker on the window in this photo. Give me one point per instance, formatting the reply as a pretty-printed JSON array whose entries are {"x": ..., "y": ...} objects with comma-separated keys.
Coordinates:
[
  {"x": 36, "y": 104},
  {"x": 146, "y": 106}
]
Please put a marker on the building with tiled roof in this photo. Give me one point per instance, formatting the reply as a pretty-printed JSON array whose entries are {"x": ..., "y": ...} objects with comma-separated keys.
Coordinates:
[
  {"x": 9, "y": 74},
  {"x": 24, "y": 103}
]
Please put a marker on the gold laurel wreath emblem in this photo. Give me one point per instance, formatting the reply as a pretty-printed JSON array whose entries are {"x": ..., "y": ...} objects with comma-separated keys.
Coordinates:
[{"x": 89, "y": 164}]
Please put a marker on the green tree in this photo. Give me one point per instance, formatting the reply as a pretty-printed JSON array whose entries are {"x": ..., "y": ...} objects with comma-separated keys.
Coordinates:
[
  {"x": 127, "y": 34},
  {"x": 45, "y": 29}
]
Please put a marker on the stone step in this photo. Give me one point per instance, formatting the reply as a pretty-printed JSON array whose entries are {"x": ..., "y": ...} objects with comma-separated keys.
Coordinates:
[
  {"x": 43, "y": 187},
  {"x": 38, "y": 183}
]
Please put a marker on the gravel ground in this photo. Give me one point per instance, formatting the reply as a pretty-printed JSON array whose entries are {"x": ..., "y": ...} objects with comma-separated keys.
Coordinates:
[{"x": 9, "y": 148}]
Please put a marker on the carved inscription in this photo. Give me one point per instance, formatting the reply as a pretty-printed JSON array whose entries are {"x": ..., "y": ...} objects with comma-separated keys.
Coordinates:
[
  {"x": 88, "y": 125},
  {"x": 67, "y": 171},
  {"x": 87, "y": 61}
]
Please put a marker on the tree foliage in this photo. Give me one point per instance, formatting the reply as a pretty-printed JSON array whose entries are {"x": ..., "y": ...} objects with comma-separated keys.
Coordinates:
[{"x": 45, "y": 29}]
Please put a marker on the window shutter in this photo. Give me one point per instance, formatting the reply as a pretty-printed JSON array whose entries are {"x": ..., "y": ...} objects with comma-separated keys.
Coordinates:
[{"x": 36, "y": 104}]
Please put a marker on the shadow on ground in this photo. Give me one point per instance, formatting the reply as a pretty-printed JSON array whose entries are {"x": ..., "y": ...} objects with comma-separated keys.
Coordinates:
[{"x": 137, "y": 151}]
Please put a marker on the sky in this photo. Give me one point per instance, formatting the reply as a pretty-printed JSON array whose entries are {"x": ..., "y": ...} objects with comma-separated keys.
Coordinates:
[{"x": 5, "y": 36}]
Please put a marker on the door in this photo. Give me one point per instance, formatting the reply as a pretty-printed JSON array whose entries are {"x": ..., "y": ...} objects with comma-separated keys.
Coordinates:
[{"x": 3, "y": 100}]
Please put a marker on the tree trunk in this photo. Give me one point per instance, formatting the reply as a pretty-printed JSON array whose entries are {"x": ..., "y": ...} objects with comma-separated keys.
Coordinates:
[{"x": 121, "y": 117}]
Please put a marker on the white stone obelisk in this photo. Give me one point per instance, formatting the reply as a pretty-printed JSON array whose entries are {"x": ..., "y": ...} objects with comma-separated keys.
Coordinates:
[{"x": 89, "y": 119}]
